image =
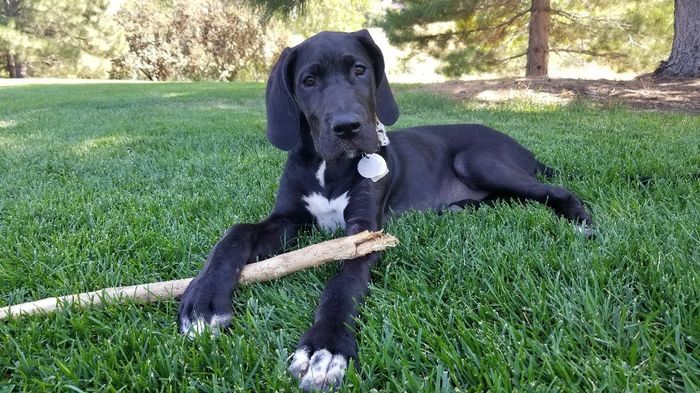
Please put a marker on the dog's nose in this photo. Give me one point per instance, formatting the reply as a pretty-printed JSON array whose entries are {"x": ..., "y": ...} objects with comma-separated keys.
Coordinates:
[{"x": 346, "y": 125}]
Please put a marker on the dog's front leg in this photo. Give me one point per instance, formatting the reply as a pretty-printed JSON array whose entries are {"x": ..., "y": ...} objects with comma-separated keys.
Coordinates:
[
  {"x": 325, "y": 349},
  {"x": 207, "y": 300}
]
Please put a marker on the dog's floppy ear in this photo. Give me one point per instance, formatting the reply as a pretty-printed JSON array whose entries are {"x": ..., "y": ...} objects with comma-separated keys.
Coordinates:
[
  {"x": 387, "y": 110},
  {"x": 283, "y": 115}
]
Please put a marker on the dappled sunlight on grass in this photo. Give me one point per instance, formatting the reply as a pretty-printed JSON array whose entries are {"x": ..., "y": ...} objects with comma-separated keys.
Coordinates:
[
  {"x": 9, "y": 141},
  {"x": 108, "y": 141},
  {"x": 536, "y": 97},
  {"x": 679, "y": 95},
  {"x": 7, "y": 123},
  {"x": 232, "y": 104},
  {"x": 175, "y": 94}
]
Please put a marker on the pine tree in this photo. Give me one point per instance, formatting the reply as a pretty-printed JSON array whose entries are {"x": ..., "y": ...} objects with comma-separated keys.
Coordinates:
[
  {"x": 493, "y": 35},
  {"x": 684, "y": 60},
  {"x": 58, "y": 38}
]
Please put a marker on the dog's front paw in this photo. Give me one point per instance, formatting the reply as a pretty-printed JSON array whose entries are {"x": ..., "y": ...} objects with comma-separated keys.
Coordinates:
[
  {"x": 320, "y": 370},
  {"x": 322, "y": 358},
  {"x": 205, "y": 306}
]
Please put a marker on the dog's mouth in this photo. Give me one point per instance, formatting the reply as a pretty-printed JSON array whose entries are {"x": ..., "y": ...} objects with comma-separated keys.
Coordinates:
[
  {"x": 331, "y": 148},
  {"x": 347, "y": 151},
  {"x": 352, "y": 152}
]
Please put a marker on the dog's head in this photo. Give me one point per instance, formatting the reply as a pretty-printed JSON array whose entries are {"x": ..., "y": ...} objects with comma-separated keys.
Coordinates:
[{"x": 334, "y": 86}]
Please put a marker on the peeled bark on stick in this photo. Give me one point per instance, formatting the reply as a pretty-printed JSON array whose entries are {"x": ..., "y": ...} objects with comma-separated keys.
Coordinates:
[{"x": 343, "y": 248}]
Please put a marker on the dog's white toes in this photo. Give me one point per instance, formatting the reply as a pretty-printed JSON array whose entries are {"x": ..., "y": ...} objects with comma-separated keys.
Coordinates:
[
  {"x": 322, "y": 371},
  {"x": 300, "y": 363},
  {"x": 199, "y": 326},
  {"x": 185, "y": 324},
  {"x": 455, "y": 208},
  {"x": 584, "y": 230},
  {"x": 336, "y": 370}
]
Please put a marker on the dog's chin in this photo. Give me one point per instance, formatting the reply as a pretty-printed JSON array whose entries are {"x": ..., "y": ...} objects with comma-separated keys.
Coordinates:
[
  {"x": 338, "y": 149},
  {"x": 336, "y": 154},
  {"x": 345, "y": 152}
]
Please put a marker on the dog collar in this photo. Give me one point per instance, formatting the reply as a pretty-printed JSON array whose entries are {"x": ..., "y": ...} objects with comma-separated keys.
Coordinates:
[{"x": 381, "y": 134}]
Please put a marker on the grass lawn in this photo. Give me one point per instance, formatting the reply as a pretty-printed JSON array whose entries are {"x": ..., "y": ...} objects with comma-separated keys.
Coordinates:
[{"x": 118, "y": 184}]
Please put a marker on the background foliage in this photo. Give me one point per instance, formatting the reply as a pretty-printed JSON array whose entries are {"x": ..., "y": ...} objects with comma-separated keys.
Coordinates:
[
  {"x": 194, "y": 39},
  {"x": 333, "y": 15},
  {"x": 238, "y": 39},
  {"x": 73, "y": 38},
  {"x": 492, "y": 35}
]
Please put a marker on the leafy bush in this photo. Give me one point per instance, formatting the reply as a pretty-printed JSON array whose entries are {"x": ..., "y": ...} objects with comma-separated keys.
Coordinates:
[
  {"x": 198, "y": 39},
  {"x": 55, "y": 38}
]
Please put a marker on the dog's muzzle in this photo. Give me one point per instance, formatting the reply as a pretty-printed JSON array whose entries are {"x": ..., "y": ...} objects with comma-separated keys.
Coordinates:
[{"x": 349, "y": 142}]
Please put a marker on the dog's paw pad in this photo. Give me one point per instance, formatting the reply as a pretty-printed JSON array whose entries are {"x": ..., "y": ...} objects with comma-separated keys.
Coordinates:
[
  {"x": 322, "y": 371},
  {"x": 199, "y": 326}
]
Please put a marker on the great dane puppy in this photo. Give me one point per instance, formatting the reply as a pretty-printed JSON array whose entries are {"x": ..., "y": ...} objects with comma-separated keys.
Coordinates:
[{"x": 325, "y": 98}]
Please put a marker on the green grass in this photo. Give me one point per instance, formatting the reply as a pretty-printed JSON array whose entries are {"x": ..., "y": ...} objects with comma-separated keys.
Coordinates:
[{"x": 118, "y": 184}]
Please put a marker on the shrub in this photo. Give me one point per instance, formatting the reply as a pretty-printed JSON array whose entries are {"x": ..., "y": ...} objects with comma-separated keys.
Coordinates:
[{"x": 195, "y": 40}]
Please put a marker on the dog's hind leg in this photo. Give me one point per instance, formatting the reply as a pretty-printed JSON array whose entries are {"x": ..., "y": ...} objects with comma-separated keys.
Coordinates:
[
  {"x": 546, "y": 171},
  {"x": 505, "y": 179}
]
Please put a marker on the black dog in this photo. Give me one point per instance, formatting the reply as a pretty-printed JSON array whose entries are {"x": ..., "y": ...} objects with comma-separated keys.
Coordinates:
[{"x": 324, "y": 100}]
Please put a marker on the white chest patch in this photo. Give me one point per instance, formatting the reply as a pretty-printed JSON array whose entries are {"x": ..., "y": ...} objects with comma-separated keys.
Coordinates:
[{"x": 327, "y": 212}]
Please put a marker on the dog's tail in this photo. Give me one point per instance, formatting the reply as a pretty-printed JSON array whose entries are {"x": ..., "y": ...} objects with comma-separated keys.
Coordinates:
[{"x": 545, "y": 171}]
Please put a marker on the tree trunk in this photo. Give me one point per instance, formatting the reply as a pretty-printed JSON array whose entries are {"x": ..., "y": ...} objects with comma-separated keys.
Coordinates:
[
  {"x": 538, "y": 39},
  {"x": 15, "y": 67},
  {"x": 684, "y": 60},
  {"x": 20, "y": 69},
  {"x": 10, "y": 65}
]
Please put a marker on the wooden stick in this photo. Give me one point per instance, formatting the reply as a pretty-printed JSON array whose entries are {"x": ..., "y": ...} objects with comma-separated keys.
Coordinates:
[{"x": 348, "y": 247}]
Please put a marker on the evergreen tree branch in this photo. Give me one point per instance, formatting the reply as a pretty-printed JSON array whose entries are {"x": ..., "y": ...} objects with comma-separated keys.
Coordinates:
[
  {"x": 466, "y": 33},
  {"x": 503, "y": 60},
  {"x": 486, "y": 6},
  {"x": 610, "y": 55},
  {"x": 282, "y": 8},
  {"x": 596, "y": 22}
]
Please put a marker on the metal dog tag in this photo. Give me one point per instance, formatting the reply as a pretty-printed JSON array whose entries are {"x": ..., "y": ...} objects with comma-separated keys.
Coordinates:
[{"x": 372, "y": 166}]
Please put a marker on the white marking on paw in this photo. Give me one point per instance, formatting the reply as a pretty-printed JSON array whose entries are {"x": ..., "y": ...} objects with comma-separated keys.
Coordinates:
[
  {"x": 585, "y": 230},
  {"x": 319, "y": 362},
  {"x": 200, "y": 326},
  {"x": 321, "y": 174},
  {"x": 327, "y": 212},
  {"x": 185, "y": 324},
  {"x": 322, "y": 371},
  {"x": 197, "y": 328},
  {"x": 336, "y": 370},
  {"x": 300, "y": 362},
  {"x": 455, "y": 208}
]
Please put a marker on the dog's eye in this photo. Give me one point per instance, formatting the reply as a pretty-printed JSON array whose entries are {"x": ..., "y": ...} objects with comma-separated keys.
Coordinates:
[
  {"x": 309, "y": 81},
  {"x": 359, "y": 69}
]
